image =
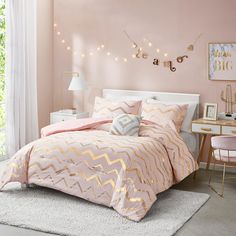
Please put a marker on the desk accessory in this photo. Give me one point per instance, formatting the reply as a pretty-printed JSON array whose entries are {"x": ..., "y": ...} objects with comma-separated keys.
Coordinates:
[{"x": 228, "y": 99}]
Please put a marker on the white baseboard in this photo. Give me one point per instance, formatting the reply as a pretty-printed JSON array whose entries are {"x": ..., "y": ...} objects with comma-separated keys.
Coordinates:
[{"x": 218, "y": 167}]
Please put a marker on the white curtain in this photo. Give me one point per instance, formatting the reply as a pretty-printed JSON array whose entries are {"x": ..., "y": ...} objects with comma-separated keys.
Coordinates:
[{"x": 21, "y": 74}]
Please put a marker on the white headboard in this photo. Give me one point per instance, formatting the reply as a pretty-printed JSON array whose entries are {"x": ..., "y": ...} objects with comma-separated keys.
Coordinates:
[{"x": 161, "y": 96}]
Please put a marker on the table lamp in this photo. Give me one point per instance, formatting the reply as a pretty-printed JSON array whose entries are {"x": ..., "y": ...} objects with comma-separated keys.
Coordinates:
[{"x": 77, "y": 83}]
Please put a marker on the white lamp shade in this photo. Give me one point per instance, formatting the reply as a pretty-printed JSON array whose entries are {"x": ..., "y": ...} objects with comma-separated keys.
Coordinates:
[{"x": 77, "y": 83}]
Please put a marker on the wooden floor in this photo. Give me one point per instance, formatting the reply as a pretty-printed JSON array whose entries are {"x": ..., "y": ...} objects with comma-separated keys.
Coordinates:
[{"x": 216, "y": 218}]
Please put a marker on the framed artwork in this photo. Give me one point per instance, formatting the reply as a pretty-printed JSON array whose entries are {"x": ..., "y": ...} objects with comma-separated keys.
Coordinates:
[
  {"x": 210, "y": 111},
  {"x": 222, "y": 61}
]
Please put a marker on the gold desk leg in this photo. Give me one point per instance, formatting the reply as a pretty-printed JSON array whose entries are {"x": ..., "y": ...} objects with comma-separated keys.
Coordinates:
[
  {"x": 211, "y": 173},
  {"x": 209, "y": 158},
  {"x": 203, "y": 140}
]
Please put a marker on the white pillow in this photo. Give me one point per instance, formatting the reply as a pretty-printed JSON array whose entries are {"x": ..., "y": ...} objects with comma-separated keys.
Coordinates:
[{"x": 187, "y": 122}]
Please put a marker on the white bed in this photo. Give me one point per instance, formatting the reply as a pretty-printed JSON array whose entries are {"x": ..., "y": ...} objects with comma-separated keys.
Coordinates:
[
  {"x": 122, "y": 172},
  {"x": 191, "y": 140}
]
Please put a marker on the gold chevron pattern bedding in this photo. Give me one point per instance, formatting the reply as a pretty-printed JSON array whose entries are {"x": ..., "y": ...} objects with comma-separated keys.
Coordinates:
[
  {"x": 106, "y": 108},
  {"x": 122, "y": 172},
  {"x": 162, "y": 114}
]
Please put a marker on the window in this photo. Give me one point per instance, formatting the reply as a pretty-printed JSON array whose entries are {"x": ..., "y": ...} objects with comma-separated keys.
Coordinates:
[{"x": 2, "y": 81}]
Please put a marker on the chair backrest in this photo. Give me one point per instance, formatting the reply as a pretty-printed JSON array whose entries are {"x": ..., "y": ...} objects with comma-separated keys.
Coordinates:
[{"x": 224, "y": 142}]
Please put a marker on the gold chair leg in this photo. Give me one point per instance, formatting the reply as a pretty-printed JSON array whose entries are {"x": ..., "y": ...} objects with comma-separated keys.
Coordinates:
[
  {"x": 223, "y": 182},
  {"x": 213, "y": 172}
]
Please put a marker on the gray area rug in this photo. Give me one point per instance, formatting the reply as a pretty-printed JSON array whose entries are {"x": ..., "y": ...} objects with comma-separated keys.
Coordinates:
[{"x": 55, "y": 212}]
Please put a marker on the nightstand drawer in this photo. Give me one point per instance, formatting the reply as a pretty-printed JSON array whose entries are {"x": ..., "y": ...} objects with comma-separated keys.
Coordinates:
[
  {"x": 229, "y": 130},
  {"x": 59, "y": 118},
  {"x": 205, "y": 128}
]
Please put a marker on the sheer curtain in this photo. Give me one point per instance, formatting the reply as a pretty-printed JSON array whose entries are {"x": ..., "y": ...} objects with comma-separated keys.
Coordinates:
[{"x": 21, "y": 74}]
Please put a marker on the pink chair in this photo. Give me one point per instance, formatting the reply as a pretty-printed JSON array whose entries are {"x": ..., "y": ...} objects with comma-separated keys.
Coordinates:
[{"x": 224, "y": 150}]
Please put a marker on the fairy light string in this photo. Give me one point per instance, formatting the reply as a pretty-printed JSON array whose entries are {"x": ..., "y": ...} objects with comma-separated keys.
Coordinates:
[{"x": 99, "y": 48}]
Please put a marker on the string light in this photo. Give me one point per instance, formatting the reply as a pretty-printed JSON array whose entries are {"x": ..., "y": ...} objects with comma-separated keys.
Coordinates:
[
  {"x": 99, "y": 48},
  {"x": 158, "y": 50},
  {"x": 165, "y": 54},
  {"x": 133, "y": 55},
  {"x": 134, "y": 45},
  {"x": 149, "y": 44}
]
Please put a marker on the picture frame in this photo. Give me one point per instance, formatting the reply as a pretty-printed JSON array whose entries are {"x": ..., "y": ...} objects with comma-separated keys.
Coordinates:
[
  {"x": 210, "y": 111},
  {"x": 222, "y": 61}
]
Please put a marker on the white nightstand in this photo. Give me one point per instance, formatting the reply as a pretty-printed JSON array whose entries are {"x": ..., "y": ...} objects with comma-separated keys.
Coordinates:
[{"x": 60, "y": 116}]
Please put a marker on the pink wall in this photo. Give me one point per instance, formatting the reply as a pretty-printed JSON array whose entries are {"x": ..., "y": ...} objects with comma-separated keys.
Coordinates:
[
  {"x": 171, "y": 25},
  {"x": 44, "y": 60}
]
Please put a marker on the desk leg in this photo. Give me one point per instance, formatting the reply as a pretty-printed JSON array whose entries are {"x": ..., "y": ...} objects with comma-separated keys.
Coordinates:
[
  {"x": 209, "y": 157},
  {"x": 203, "y": 140}
]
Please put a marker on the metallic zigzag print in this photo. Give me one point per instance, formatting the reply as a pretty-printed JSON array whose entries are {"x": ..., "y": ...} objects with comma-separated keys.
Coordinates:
[
  {"x": 163, "y": 113},
  {"x": 107, "y": 108},
  {"x": 121, "y": 172}
]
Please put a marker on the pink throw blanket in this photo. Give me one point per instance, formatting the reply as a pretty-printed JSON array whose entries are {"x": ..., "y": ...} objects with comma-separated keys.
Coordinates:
[{"x": 73, "y": 125}]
